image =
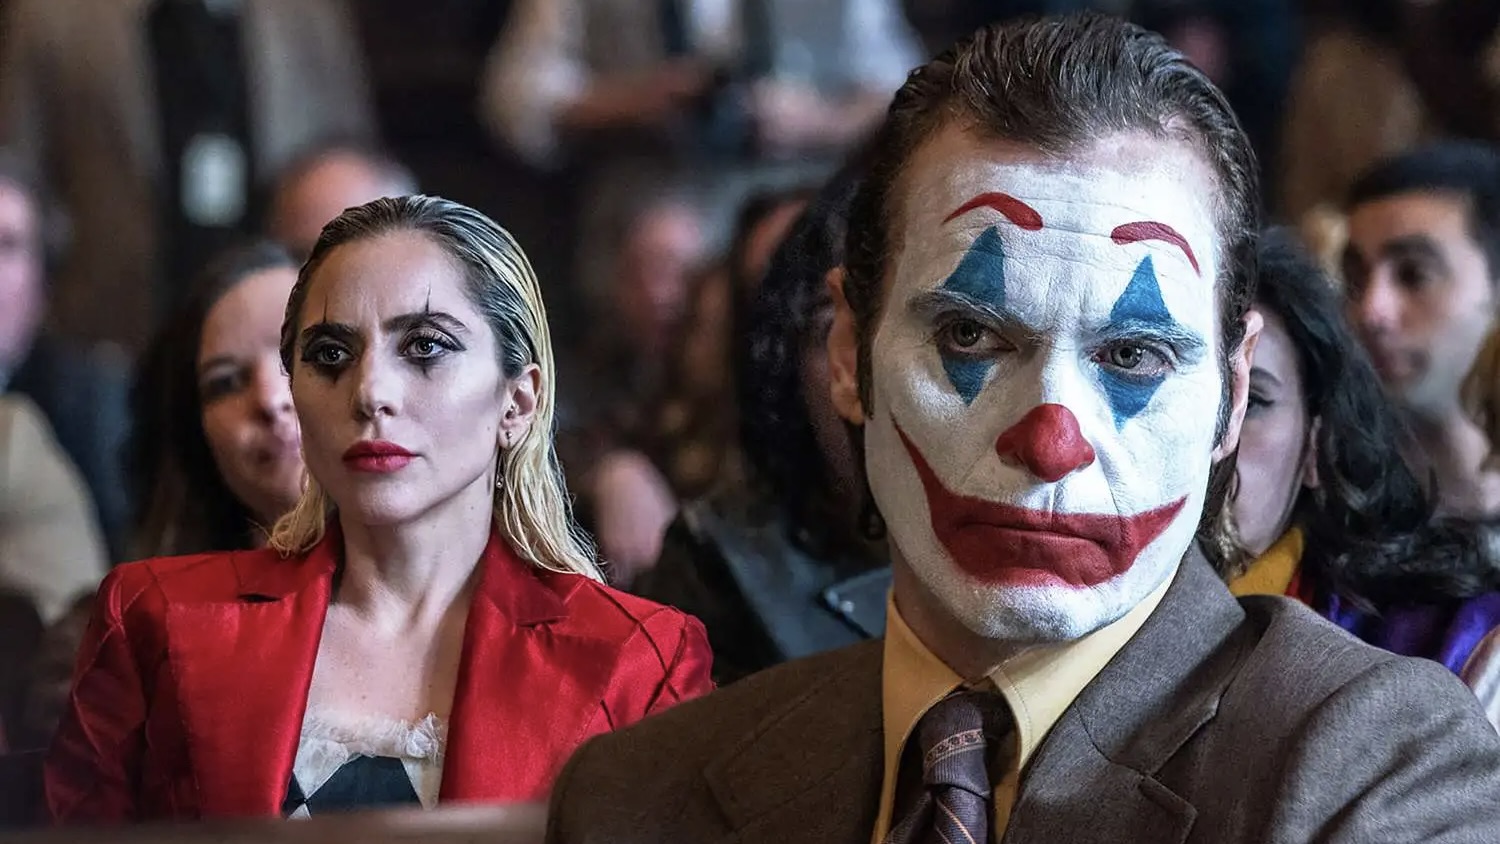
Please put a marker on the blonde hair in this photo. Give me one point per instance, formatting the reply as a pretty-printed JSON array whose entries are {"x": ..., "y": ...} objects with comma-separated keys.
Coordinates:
[
  {"x": 532, "y": 507},
  {"x": 1481, "y": 389}
]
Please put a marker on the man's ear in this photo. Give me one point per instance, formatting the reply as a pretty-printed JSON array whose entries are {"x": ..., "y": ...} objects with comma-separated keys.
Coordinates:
[
  {"x": 1240, "y": 362},
  {"x": 843, "y": 353}
]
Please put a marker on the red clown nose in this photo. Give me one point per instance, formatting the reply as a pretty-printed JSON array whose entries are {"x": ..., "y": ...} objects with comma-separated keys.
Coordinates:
[{"x": 1047, "y": 443}]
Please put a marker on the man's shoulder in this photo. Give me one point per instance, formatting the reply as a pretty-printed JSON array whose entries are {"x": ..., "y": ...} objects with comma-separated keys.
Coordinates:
[
  {"x": 1302, "y": 667},
  {"x": 1311, "y": 655},
  {"x": 788, "y": 706},
  {"x": 73, "y": 382},
  {"x": 1301, "y": 661},
  {"x": 1333, "y": 733},
  {"x": 693, "y": 733}
]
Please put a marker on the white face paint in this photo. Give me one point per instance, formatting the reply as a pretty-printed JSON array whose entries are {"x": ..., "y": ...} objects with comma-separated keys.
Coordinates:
[{"x": 1046, "y": 378}]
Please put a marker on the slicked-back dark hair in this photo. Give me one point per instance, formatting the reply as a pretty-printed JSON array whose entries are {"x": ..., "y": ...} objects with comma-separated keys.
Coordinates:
[
  {"x": 1059, "y": 84},
  {"x": 1468, "y": 169}
]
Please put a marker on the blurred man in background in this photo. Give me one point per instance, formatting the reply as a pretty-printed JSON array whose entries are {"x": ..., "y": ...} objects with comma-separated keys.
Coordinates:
[
  {"x": 80, "y": 389},
  {"x": 154, "y": 121},
  {"x": 1421, "y": 269},
  {"x": 725, "y": 97},
  {"x": 324, "y": 181}
]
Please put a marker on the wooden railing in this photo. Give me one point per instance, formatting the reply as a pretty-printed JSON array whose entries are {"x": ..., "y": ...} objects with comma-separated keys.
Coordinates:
[{"x": 453, "y": 825}]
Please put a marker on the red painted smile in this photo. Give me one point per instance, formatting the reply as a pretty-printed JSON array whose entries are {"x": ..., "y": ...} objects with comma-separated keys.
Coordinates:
[{"x": 1001, "y": 544}]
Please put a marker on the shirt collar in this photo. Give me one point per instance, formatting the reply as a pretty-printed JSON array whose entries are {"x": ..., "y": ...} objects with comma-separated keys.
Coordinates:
[{"x": 1038, "y": 684}]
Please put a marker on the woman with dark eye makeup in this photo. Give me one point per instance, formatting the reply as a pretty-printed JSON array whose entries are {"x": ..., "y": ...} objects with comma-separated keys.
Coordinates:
[
  {"x": 427, "y": 624},
  {"x": 1323, "y": 503}
]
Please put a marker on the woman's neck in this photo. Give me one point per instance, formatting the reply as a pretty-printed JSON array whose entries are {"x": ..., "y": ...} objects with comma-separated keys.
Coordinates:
[{"x": 412, "y": 573}]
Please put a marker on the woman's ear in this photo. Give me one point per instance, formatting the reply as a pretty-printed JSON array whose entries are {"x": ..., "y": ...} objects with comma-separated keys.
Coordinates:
[
  {"x": 518, "y": 404},
  {"x": 843, "y": 353},
  {"x": 1309, "y": 473}
]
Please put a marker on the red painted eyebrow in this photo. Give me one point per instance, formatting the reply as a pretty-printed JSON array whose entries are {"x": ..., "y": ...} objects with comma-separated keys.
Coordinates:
[
  {"x": 1018, "y": 212},
  {"x": 1151, "y": 230}
]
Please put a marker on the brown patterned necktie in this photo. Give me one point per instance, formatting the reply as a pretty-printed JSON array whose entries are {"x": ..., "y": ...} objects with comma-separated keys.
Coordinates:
[{"x": 955, "y": 738}]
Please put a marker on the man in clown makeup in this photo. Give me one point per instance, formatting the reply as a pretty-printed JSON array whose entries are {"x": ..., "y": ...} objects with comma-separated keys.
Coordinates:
[{"x": 1043, "y": 335}]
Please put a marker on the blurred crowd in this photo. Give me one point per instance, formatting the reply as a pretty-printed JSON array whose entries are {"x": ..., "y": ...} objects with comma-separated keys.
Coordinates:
[{"x": 680, "y": 174}]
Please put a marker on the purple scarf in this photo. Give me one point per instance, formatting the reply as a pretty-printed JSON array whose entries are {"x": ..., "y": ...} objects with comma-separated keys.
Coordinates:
[{"x": 1447, "y": 633}]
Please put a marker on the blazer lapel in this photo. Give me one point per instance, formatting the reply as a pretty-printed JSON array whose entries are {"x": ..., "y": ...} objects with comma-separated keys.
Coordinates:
[
  {"x": 243, "y": 668},
  {"x": 811, "y": 771},
  {"x": 1093, "y": 779},
  {"x": 1072, "y": 792},
  {"x": 529, "y": 690}
]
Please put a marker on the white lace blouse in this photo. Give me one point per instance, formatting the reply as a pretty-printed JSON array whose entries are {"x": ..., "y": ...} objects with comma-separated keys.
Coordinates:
[{"x": 355, "y": 761}]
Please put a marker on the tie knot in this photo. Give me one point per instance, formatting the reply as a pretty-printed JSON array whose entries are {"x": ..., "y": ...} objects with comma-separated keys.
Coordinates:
[{"x": 954, "y": 737}]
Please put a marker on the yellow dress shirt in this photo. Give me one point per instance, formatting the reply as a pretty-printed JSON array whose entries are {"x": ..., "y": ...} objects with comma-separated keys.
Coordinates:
[{"x": 1038, "y": 685}]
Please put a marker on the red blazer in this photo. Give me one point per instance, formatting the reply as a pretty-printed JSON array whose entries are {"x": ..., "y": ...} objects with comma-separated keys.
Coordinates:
[{"x": 192, "y": 681}]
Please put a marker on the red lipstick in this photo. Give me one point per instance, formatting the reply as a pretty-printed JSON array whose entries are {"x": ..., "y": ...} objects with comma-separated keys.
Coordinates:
[
  {"x": 1002, "y": 544},
  {"x": 377, "y": 456}
]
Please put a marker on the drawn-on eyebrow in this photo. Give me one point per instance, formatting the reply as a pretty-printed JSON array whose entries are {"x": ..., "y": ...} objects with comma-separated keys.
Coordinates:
[
  {"x": 405, "y": 322},
  {"x": 335, "y": 330},
  {"x": 1018, "y": 212},
  {"x": 1152, "y": 230},
  {"x": 437, "y": 319}
]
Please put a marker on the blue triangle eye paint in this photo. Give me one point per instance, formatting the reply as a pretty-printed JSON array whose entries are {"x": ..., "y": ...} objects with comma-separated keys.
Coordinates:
[
  {"x": 1140, "y": 305},
  {"x": 981, "y": 276}
]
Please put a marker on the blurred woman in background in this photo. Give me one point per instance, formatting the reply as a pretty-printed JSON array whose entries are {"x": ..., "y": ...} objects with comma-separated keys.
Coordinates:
[
  {"x": 696, "y": 438},
  {"x": 782, "y": 565},
  {"x": 215, "y": 447},
  {"x": 1324, "y": 503},
  {"x": 690, "y": 443},
  {"x": 428, "y": 623}
]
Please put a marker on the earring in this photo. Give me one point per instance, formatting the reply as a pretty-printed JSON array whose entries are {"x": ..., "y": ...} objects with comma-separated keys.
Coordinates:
[{"x": 500, "y": 464}]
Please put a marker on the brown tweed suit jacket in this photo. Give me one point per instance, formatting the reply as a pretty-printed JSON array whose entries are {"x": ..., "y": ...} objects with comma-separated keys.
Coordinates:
[{"x": 1221, "y": 721}]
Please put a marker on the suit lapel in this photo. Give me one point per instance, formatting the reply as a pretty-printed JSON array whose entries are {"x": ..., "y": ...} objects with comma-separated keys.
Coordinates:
[
  {"x": 1072, "y": 792},
  {"x": 1101, "y": 759},
  {"x": 529, "y": 690},
  {"x": 811, "y": 770},
  {"x": 244, "y": 668}
]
